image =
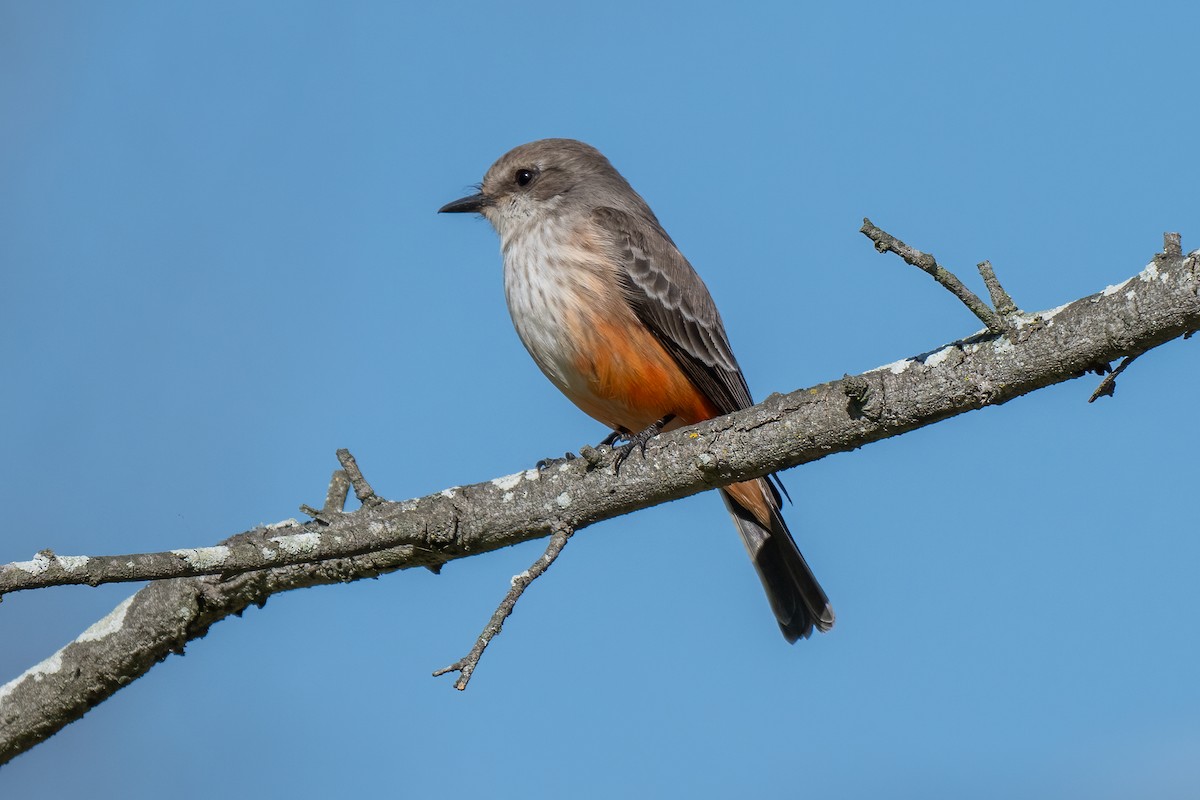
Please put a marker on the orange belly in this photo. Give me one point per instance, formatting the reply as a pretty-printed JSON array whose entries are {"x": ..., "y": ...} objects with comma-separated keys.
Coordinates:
[
  {"x": 634, "y": 382},
  {"x": 630, "y": 381}
]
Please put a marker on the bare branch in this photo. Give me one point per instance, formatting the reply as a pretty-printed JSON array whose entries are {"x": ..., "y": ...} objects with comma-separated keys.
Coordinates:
[
  {"x": 465, "y": 666},
  {"x": 1109, "y": 384},
  {"x": 279, "y": 544},
  {"x": 339, "y": 488},
  {"x": 362, "y": 490},
  {"x": 885, "y": 242},
  {"x": 1159, "y": 304},
  {"x": 1172, "y": 246},
  {"x": 335, "y": 497},
  {"x": 286, "y": 542},
  {"x": 1001, "y": 301}
]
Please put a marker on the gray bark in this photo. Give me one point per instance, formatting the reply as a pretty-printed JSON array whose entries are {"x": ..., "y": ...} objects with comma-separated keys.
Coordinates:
[{"x": 1159, "y": 304}]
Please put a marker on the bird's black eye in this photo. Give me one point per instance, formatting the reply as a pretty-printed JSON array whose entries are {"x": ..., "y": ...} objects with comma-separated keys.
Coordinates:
[{"x": 524, "y": 177}]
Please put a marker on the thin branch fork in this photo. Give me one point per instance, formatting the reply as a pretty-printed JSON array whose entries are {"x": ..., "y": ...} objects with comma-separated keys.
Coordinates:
[
  {"x": 362, "y": 490},
  {"x": 885, "y": 242},
  {"x": 1003, "y": 303},
  {"x": 339, "y": 488}
]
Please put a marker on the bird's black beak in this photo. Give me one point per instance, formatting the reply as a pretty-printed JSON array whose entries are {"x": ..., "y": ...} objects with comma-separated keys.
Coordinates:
[{"x": 465, "y": 205}]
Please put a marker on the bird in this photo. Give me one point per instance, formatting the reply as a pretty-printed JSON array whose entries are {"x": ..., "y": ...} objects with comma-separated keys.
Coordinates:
[{"x": 621, "y": 323}]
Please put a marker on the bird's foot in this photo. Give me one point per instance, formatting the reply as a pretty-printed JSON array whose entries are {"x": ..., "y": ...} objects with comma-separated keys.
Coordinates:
[
  {"x": 632, "y": 440},
  {"x": 546, "y": 463}
]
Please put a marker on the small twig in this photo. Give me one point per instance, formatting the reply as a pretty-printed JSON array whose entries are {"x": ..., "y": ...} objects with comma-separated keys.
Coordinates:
[
  {"x": 1172, "y": 245},
  {"x": 466, "y": 665},
  {"x": 885, "y": 242},
  {"x": 335, "y": 498},
  {"x": 1109, "y": 384},
  {"x": 1001, "y": 300},
  {"x": 339, "y": 487},
  {"x": 319, "y": 514},
  {"x": 362, "y": 490}
]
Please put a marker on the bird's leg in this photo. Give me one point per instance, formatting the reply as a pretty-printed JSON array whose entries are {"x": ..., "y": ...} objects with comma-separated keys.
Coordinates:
[{"x": 639, "y": 439}]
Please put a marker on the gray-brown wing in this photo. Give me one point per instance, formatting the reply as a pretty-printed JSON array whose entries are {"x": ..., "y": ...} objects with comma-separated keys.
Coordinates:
[{"x": 668, "y": 296}]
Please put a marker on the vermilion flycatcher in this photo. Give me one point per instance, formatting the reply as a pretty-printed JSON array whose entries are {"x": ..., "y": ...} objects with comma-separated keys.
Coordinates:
[{"x": 620, "y": 322}]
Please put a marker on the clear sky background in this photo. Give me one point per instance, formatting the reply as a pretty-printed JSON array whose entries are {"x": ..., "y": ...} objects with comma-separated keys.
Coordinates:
[{"x": 220, "y": 261}]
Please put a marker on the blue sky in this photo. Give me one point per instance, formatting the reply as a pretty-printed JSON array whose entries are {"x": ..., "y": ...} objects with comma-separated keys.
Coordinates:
[{"x": 220, "y": 262}]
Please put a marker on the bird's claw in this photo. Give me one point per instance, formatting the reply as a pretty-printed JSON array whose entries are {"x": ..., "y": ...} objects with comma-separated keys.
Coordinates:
[
  {"x": 549, "y": 462},
  {"x": 611, "y": 439},
  {"x": 639, "y": 440}
]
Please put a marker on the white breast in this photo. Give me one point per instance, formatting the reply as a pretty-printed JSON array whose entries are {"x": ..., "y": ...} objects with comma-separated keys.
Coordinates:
[{"x": 545, "y": 286}]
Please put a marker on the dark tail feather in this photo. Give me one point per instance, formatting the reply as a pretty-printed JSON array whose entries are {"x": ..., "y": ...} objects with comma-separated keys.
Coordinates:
[{"x": 796, "y": 598}]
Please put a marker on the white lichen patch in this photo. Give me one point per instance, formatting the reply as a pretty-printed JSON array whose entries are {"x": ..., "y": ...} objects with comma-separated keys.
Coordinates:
[
  {"x": 896, "y": 367},
  {"x": 1048, "y": 316},
  {"x": 37, "y": 566},
  {"x": 290, "y": 522},
  {"x": 269, "y": 553},
  {"x": 111, "y": 623},
  {"x": 448, "y": 492},
  {"x": 1151, "y": 273},
  {"x": 73, "y": 563},
  {"x": 563, "y": 500},
  {"x": 508, "y": 482},
  {"x": 507, "y": 497},
  {"x": 38, "y": 672},
  {"x": 1002, "y": 344},
  {"x": 520, "y": 576},
  {"x": 204, "y": 557},
  {"x": 937, "y": 357},
  {"x": 298, "y": 543},
  {"x": 1111, "y": 290}
]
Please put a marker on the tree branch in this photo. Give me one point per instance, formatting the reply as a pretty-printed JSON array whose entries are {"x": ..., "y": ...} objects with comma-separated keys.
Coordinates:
[
  {"x": 1159, "y": 304},
  {"x": 1001, "y": 301},
  {"x": 465, "y": 666},
  {"x": 1108, "y": 386},
  {"x": 885, "y": 242}
]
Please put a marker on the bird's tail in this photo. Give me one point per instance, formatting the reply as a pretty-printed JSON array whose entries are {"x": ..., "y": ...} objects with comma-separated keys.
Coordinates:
[{"x": 797, "y": 599}]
